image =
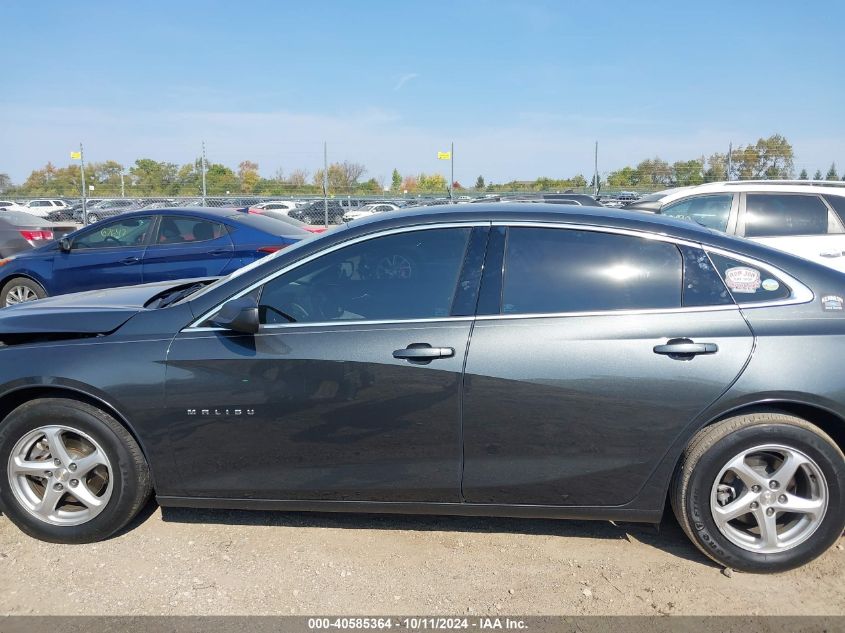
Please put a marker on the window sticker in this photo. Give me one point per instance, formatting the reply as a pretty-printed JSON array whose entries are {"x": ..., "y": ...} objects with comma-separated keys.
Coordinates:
[
  {"x": 770, "y": 284},
  {"x": 743, "y": 279},
  {"x": 832, "y": 303}
]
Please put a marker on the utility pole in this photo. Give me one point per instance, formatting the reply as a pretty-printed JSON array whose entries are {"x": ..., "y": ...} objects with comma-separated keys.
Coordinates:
[
  {"x": 82, "y": 175},
  {"x": 596, "y": 172},
  {"x": 730, "y": 159},
  {"x": 452, "y": 179},
  {"x": 203, "y": 170},
  {"x": 122, "y": 188},
  {"x": 325, "y": 184}
]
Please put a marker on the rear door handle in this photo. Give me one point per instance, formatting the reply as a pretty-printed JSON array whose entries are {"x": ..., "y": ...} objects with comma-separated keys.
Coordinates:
[
  {"x": 219, "y": 251},
  {"x": 832, "y": 253},
  {"x": 130, "y": 260},
  {"x": 685, "y": 348},
  {"x": 423, "y": 352}
]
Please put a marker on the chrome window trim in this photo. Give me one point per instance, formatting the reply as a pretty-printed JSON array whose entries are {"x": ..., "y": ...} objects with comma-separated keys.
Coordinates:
[
  {"x": 600, "y": 229},
  {"x": 288, "y": 326},
  {"x": 195, "y": 325},
  {"x": 800, "y": 293},
  {"x": 646, "y": 311}
]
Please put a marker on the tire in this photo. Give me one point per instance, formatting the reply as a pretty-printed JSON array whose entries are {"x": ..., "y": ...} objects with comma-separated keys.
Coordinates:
[
  {"x": 92, "y": 218},
  {"x": 20, "y": 290},
  {"x": 737, "y": 461},
  {"x": 114, "y": 491}
]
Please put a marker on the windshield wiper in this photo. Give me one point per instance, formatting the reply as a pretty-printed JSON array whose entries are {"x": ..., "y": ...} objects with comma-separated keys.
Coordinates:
[{"x": 173, "y": 297}]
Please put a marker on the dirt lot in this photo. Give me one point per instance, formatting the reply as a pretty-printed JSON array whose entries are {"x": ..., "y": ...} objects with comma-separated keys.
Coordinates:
[{"x": 213, "y": 562}]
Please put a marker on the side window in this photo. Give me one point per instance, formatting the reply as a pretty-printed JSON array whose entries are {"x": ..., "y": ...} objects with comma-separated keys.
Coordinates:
[
  {"x": 176, "y": 230},
  {"x": 562, "y": 270},
  {"x": 773, "y": 215},
  {"x": 128, "y": 232},
  {"x": 710, "y": 211},
  {"x": 702, "y": 284},
  {"x": 404, "y": 276},
  {"x": 748, "y": 283}
]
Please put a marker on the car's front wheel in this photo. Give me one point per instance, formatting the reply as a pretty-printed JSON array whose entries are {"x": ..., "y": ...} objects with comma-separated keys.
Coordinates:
[
  {"x": 20, "y": 290},
  {"x": 70, "y": 472},
  {"x": 763, "y": 492}
]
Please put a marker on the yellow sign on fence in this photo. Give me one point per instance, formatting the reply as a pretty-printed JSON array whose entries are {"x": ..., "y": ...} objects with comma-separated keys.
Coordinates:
[
  {"x": 75, "y": 155},
  {"x": 444, "y": 155}
]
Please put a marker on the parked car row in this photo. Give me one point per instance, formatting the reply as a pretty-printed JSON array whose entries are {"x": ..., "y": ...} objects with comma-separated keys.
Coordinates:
[{"x": 142, "y": 246}]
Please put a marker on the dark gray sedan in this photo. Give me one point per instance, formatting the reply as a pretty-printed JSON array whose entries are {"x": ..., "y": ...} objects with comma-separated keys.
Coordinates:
[
  {"x": 20, "y": 231},
  {"x": 522, "y": 360}
]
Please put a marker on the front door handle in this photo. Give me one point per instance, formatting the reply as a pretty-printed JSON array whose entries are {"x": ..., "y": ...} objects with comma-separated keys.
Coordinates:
[
  {"x": 684, "y": 348},
  {"x": 130, "y": 260},
  {"x": 423, "y": 352},
  {"x": 219, "y": 251},
  {"x": 832, "y": 253}
]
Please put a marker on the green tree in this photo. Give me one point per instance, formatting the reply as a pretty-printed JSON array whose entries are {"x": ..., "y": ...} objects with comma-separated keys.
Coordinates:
[
  {"x": 817, "y": 175},
  {"x": 431, "y": 183},
  {"x": 690, "y": 172},
  {"x": 803, "y": 175},
  {"x": 395, "y": 180},
  {"x": 479, "y": 183},
  {"x": 653, "y": 171},
  {"x": 153, "y": 177},
  {"x": 831, "y": 173},
  {"x": 625, "y": 177},
  {"x": 221, "y": 180}
]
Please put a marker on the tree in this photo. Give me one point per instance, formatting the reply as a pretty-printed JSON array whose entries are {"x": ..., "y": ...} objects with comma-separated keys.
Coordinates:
[
  {"x": 152, "y": 177},
  {"x": 831, "y": 173},
  {"x": 342, "y": 177},
  {"x": 803, "y": 175},
  {"x": 5, "y": 182},
  {"x": 770, "y": 158},
  {"x": 479, "y": 183},
  {"x": 395, "y": 180},
  {"x": 298, "y": 177},
  {"x": 248, "y": 176},
  {"x": 410, "y": 184},
  {"x": 817, "y": 175},
  {"x": 433, "y": 183},
  {"x": 653, "y": 171},
  {"x": 717, "y": 168},
  {"x": 221, "y": 180},
  {"x": 689, "y": 172}
]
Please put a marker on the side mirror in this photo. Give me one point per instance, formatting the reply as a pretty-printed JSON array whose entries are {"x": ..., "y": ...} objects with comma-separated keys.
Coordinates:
[
  {"x": 238, "y": 315},
  {"x": 65, "y": 245}
]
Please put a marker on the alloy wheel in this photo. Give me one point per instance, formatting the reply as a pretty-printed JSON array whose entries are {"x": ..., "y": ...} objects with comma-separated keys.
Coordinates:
[
  {"x": 769, "y": 498},
  {"x": 20, "y": 294},
  {"x": 60, "y": 475}
]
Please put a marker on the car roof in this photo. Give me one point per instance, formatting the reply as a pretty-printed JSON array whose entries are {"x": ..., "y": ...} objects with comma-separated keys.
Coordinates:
[{"x": 760, "y": 186}]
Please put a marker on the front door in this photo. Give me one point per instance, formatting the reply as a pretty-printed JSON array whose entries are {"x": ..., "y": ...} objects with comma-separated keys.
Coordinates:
[
  {"x": 351, "y": 390},
  {"x": 577, "y": 386},
  {"x": 106, "y": 255}
]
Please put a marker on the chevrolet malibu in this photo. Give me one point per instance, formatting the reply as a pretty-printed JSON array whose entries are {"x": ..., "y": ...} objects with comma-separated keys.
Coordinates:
[{"x": 519, "y": 360}]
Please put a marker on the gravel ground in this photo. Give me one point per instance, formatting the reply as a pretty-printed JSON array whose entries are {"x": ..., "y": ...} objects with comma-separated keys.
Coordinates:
[{"x": 178, "y": 562}]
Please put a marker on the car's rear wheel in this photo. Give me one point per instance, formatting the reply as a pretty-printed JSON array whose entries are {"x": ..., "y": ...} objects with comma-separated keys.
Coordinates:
[
  {"x": 763, "y": 492},
  {"x": 20, "y": 290},
  {"x": 70, "y": 472},
  {"x": 92, "y": 218}
]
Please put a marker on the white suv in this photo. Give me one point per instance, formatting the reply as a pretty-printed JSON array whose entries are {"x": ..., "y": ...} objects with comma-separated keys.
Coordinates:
[
  {"x": 43, "y": 207},
  {"x": 805, "y": 218}
]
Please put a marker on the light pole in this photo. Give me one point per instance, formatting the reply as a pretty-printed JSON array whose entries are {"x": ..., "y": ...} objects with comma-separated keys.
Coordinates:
[{"x": 122, "y": 188}]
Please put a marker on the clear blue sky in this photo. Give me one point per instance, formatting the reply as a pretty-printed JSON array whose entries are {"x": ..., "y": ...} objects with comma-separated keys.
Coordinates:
[{"x": 522, "y": 87}]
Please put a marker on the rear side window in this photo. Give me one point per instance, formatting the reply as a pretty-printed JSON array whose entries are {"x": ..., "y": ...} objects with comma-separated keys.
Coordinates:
[
  {"x": 176, "y": 230},
  {"x": 773, "y": 215},
  {"x": 838, "y": 203},
  {"x": 749, "y": 283},
  {"x": 710, "y": 211},
  {"x": 702, "y": 284},
  {"x": 562, "y": 270}
]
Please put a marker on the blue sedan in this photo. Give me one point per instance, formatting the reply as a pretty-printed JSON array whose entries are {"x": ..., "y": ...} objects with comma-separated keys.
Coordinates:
[{"x": 144, "y": 246}]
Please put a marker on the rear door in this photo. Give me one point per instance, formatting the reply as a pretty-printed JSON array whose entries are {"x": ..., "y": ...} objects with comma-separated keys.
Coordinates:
[
  {"x": 798, "y": 223},
  {"x": 591, "y": 352},
  {"x": 106, "y": 255},
  {"x": 186, "y": 246}
]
